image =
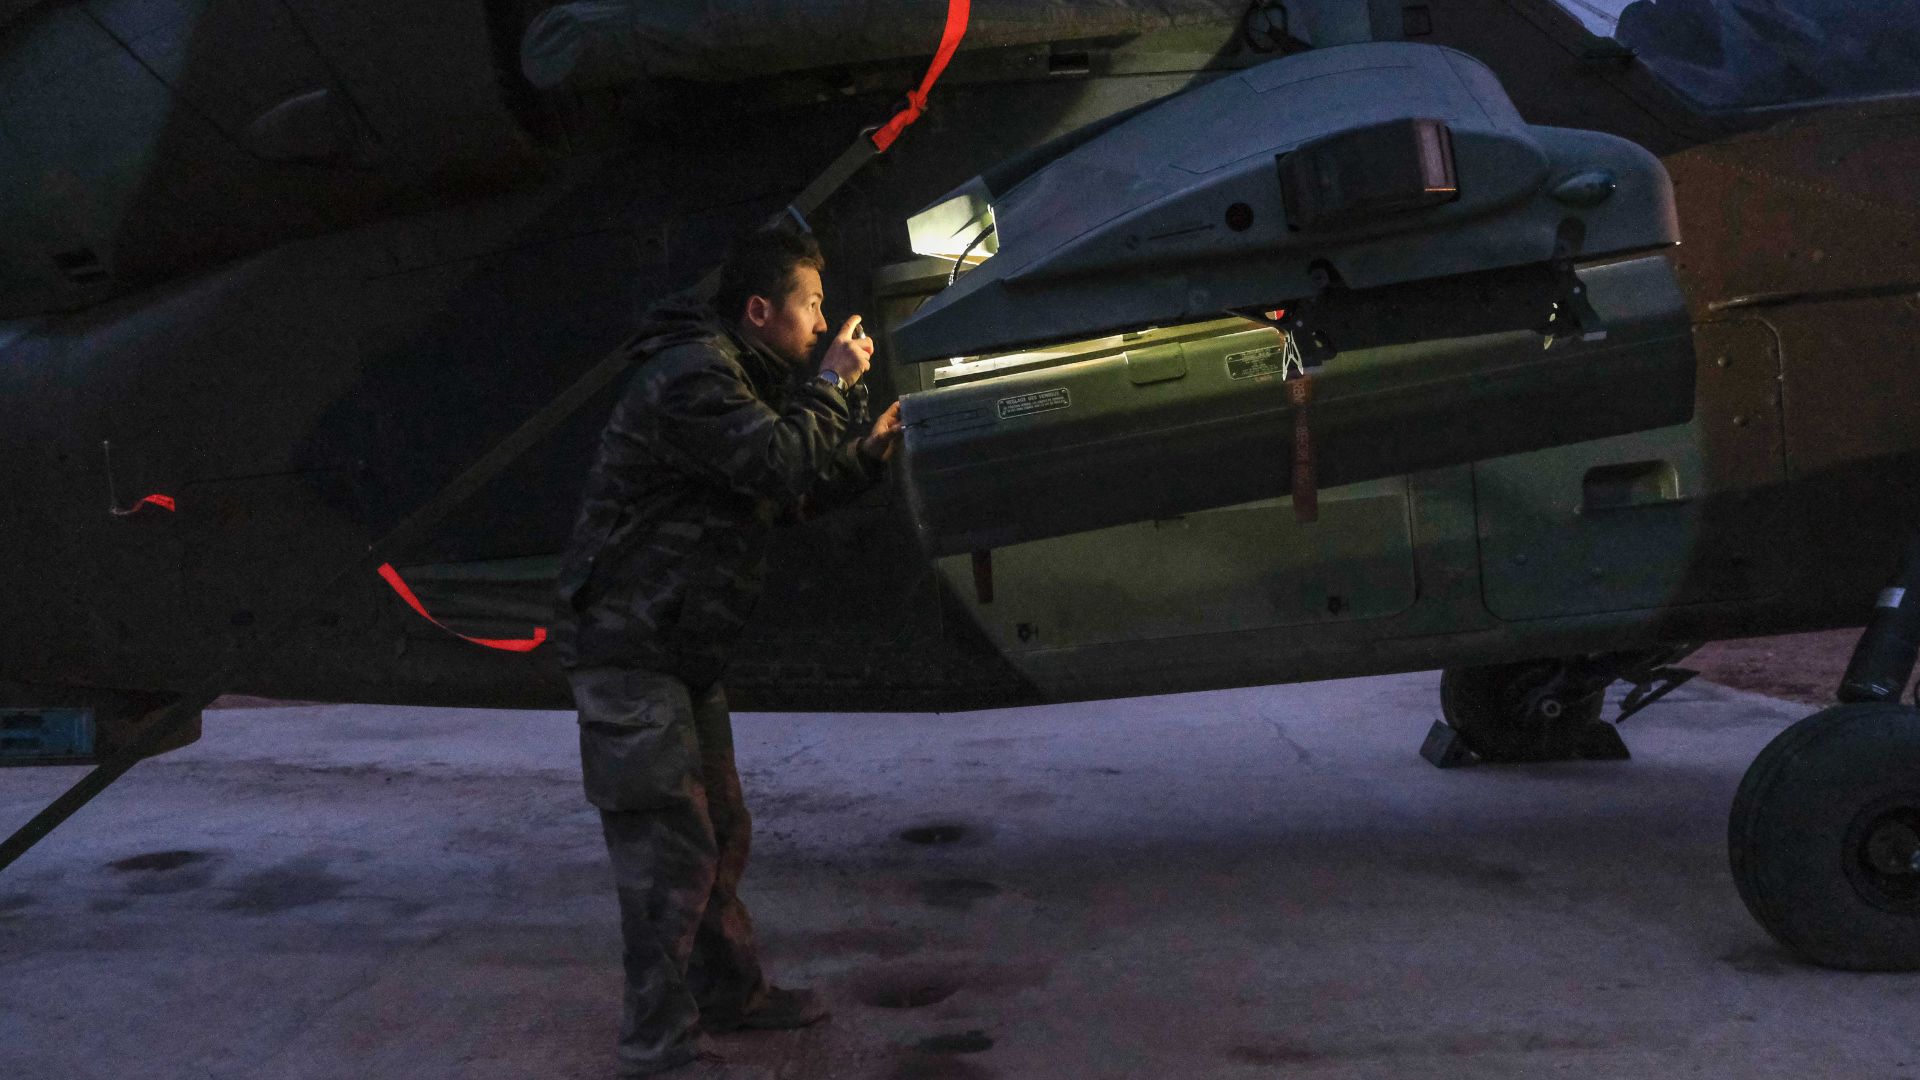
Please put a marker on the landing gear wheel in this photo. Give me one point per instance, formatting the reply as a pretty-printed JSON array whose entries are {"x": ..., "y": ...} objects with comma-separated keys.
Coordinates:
[
  {"x": 1825, "y": 837},
  {"x": 1505, "y": 713}
]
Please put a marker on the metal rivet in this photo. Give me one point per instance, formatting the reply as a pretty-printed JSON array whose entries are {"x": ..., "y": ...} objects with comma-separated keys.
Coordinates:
[
  {"x": 1739, "y": 421},
  {"x": 1721, "y": 361}
]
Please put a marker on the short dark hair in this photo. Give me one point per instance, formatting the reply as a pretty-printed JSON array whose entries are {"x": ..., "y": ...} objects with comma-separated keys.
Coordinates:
[{"x": 762, "y": 263}]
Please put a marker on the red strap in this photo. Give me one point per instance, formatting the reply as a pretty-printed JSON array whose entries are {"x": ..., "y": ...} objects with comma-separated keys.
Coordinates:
[
  {"x": 957, "y": 11},
  {"x": 1306, "y": 485},
  {"x": 164, "y": 502},
  {"x": 392, "y": 577}
]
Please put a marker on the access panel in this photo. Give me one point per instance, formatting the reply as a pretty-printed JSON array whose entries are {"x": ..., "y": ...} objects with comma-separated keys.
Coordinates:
[
  {"x": 1688, "y": 514},
  {"x": 1236, "y": 568},
  {"x": 1023, "y": 447},
  {"x": 1114, "y": 337}
]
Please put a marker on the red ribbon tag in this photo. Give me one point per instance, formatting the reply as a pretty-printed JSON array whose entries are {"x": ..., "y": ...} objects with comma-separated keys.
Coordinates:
[
  {"x": 957, "y": 13},
  {"x": 392, "y": 577},
  {"x": 164, "y": 502},
  {"x": 1306, "y": 485}
]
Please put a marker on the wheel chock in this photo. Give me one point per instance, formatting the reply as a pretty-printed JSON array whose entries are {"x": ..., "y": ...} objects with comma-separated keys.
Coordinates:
[
  {"x": 1445, "y": 749},
  {"x": 1600, "y": 741}
]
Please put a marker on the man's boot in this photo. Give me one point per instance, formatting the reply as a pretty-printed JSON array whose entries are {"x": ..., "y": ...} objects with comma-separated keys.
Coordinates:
[{"x": 778, "y": 1010}]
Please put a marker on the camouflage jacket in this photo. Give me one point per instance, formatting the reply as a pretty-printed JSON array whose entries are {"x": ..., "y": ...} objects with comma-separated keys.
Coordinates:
[{"x": 713, "y": 442}]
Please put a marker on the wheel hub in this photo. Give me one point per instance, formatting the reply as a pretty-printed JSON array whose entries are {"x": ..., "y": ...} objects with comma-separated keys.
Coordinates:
[
  {"x": 1883, "y": 849},
  {"x": 1894, "y": 849}
]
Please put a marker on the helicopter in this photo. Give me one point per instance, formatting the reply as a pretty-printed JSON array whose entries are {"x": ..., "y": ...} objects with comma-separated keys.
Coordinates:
[{"x": 283, "y": 285}]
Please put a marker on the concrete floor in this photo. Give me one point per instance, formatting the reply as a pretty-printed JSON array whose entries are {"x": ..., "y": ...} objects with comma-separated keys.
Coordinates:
[{"x": 1239, "y": 884}]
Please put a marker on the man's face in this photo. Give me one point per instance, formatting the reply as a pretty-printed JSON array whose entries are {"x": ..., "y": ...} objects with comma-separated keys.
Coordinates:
[{"x": 790, "y": 326}]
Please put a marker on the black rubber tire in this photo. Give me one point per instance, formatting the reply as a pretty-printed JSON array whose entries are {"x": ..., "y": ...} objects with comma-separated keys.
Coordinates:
[
  {"x": 1795, "y": 827},
  {"x": 1487, "y": 706}
]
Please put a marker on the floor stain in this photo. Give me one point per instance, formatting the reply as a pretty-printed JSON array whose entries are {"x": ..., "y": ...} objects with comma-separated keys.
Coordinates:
[
  {"x": 956, "y": 894},
  {"x": 934, "y": 1067},
  {"x": 973, "y": 1041},
  {"x": 1301, "y": 755},
  {"x": 934, "y": 835},
  {"x": 158, "y": 861},
  {"x": 1274, "y": 1052},
  {"x": 920, "y": 983},
  {"x": 161, "y": 872},
  {"x": 908, "y": 992},
  {"x": 296, "y": 883},
  {"x": 13, "y": 902}
]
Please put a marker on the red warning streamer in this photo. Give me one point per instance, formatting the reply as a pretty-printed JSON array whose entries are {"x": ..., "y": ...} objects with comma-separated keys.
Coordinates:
[
  {"x": 957, "y": 14},
  {"x": 392, "y": 577},
  {"x": 164, "y": 502}
]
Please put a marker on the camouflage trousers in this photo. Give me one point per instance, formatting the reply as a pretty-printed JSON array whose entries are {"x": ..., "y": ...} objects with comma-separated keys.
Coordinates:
[{"x": 658, "y": 763}]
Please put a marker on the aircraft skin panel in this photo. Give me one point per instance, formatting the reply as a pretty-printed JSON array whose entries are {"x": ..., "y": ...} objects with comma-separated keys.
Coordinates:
[
  {"x": 1681, "y": 515},
  {"x": 1819, "y": 242},
  {"x": 61, "y": 192},
  {"x": 299, "y": 402},
  {"x": 1448, "y": 625},
  {"x": 611, "y": 42},
  {"x": 1236, "y": 568},
  {"x": 147, "y": 140}
]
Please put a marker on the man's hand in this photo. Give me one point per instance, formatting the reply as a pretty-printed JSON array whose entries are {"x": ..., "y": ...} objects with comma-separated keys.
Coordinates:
[
  {"x": 885, "y": 437},
  {"x": 848, "y": 356}
]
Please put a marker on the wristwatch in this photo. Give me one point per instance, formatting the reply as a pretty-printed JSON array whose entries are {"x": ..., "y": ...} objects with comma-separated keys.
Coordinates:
[{"x": 833, "y": 379}]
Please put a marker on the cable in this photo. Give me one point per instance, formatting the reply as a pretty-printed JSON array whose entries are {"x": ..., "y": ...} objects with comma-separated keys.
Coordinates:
[{"x": 954, "y": 273}]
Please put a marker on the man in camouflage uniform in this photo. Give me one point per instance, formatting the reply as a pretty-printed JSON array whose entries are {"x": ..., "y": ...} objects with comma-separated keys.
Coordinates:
[{"x": 719, "y": 435}]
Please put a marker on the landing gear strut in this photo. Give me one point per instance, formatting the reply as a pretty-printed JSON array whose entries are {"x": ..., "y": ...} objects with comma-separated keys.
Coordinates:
[
  {"x": 1546, "y": 710},
  {"x": 1824, "y": 838}
]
